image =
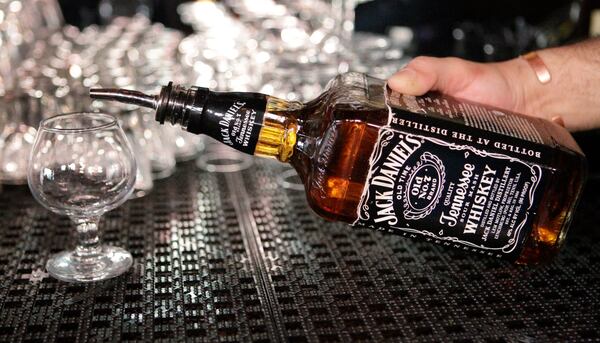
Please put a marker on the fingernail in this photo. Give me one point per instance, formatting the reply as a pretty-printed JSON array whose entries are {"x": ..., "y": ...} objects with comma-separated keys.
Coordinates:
[
  {"x": 406, "y": 73},
  {"x": 405, "y": 81},
  {"x": 558, "y": 120}
]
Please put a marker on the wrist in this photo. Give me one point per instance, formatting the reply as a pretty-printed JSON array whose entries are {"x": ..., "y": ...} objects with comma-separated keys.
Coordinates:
[
  {"x": 523, "y": 85},
  {"x": 534, "y": 80},
  {"x": 570, "y": 93}
]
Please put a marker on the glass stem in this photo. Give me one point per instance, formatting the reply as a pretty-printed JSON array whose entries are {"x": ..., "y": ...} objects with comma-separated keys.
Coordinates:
[{"x": 88, "y": 240}]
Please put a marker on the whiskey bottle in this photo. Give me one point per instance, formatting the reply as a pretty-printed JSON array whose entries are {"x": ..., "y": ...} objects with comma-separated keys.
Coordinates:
[{"x": 449, "y": 171}]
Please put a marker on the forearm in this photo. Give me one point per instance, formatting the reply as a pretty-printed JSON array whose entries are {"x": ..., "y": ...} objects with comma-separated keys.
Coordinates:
[{"x": 574, "y": 90}]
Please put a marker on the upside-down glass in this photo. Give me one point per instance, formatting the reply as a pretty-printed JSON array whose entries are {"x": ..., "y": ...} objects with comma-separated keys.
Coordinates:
[{"x": 81, "y": 165}]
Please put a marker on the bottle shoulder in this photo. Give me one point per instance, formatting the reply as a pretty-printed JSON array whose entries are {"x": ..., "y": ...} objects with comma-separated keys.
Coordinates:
[{"x": 357, "y": 90}]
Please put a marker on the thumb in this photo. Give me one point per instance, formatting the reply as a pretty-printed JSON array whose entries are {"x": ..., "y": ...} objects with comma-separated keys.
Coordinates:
[{"x": 447, "y": 75}]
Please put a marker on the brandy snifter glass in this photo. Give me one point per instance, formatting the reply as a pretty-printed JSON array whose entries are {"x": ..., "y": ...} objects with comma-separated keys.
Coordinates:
[{"x": 81, "y": 165}]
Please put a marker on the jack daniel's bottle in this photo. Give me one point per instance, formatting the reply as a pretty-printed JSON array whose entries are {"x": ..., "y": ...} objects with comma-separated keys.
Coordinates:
[{"x": 451, "y": 172}]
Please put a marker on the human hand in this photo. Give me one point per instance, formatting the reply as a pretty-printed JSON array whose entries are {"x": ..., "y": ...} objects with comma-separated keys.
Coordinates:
[
  {"x": 484, "y": 83},
  {"x": 509, "y": 85}
]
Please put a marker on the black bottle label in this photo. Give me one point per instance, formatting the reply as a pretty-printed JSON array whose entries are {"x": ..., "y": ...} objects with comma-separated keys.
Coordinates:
[
  {"x": 234, "y": 119},
  {"x": 451, "y": 194},
  {"x": 442, "y": 178}
]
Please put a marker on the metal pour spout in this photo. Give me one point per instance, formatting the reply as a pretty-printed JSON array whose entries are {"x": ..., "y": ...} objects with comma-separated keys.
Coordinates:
[
  {"x": 125, "y": 96},
  {"x": 174, "y": 104}
]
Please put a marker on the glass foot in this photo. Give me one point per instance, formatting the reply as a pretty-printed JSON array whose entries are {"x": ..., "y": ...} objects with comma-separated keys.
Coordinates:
[
  {"x": 108, "y": 263},
  {"x": 289, "y": 179},
  {"x": 224, "y": 162}
]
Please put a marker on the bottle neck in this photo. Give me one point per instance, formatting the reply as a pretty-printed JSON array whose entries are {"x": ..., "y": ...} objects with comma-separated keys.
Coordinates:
[
  {"x": 279, "y": 132},
  {"x": 252, "y": 123}
]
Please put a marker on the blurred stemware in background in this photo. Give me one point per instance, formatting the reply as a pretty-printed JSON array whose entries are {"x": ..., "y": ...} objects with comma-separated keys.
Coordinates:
[
  {"x": 129, "y": 119},
  {"x": 55, "y": 71},
  {"x": 289, "y": 49},
  {"x": 20, "y": 114},
  {"x": 22, "y": 24}
]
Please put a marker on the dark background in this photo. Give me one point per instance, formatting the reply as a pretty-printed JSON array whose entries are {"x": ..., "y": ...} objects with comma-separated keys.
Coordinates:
[{"x": 82, "y": 13}]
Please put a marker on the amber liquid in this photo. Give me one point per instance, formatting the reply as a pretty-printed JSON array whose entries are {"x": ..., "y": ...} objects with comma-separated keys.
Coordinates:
[
  {"x": 556, "y": 209},
  {"x": 337, "y": 186},
  {"x": 339, "y": 168}
]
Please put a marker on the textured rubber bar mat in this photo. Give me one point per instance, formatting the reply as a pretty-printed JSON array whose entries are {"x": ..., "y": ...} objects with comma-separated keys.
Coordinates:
[{"x": 240, "y": 257}]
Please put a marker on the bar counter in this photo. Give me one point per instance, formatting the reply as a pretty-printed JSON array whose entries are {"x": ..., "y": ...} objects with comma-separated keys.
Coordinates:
[{"x": 224, "y": 257}]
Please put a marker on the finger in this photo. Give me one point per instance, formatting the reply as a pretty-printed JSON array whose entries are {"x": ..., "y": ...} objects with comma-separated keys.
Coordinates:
[{"x": 422, "y": 74}]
